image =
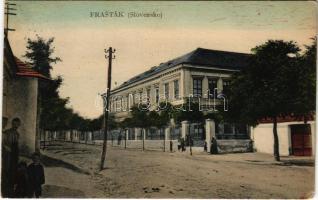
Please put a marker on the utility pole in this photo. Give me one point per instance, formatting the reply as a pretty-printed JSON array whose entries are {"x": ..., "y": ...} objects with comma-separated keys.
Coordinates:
[
  {"x": 9, "y": 11},
  {"x": 110, "y": 57}
]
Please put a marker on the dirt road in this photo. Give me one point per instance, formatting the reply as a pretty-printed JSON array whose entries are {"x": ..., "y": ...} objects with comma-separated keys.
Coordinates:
[{"x": 72, "y": 171}]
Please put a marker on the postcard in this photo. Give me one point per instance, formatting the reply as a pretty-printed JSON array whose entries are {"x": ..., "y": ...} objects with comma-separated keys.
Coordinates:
[{"x": 159, "y": 99}]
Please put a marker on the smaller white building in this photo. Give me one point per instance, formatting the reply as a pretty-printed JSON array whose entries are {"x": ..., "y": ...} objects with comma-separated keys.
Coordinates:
[
  {"x": 295, "y": 137},
  {"x": 20, "y": 95}
]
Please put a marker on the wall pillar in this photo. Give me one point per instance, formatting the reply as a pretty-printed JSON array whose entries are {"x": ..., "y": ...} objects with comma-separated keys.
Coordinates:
[
  {"x": 89, "y": 136},
  {"x": 209, "y": 132},
  {"x": 186, "y": 82},
  {"x": 205, "y": 87},
  {"x": 136, "y": 133},
  {"x": 167, "y": 133},
  {"x": 313, "y": 138},
  {"x": 220, "y": 85},
  {"x": 127, "y": 134},
  {"x": 68, "y": 136},
  {"x": 144, "y": 132},
  {"x": 46, "y": 135},
  {"x": 185, "y": 129}
]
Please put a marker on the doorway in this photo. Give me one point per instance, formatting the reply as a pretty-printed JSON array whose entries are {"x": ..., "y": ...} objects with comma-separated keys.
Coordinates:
[{"x": 301, "y": 140}]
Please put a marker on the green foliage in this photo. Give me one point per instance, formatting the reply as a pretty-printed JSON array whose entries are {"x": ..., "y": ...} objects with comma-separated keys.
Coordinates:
[
  {"x": 278, "y": 82},
  {"x": 54, "y": 115},
  {"x": 216, "y": 116},
  {"x": 39, "y": 52},
  {"x": 189, "y": 112},
  {"x": 305, "y": 82},
  {"x": 268, "y": 86}
]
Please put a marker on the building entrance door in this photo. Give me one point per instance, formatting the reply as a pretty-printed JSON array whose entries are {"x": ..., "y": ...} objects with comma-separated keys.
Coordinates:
[{"x": 301, "y": 140}]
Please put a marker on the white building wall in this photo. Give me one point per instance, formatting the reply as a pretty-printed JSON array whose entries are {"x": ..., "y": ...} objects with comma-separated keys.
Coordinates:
[
  {"x": 22, "y": 103},
  {"x": 262, "y": 135}
]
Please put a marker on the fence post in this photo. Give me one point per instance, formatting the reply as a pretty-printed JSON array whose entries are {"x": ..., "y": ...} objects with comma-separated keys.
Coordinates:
[
  {"x": 126, "y": 138},
  {"x": 167, "y": 135},
  {"x": 209, "y": 132}
]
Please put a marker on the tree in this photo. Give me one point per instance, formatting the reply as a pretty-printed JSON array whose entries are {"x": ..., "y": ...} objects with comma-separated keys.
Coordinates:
[
  {"x": 126, "y": 123},
  {"x": 140, "y": 119},
  {"x": 268, "y": 87},
  {"x": 40, "y": 56},
  {"x": 305, "y": 101},
  {"x": 189, "y": 112}
]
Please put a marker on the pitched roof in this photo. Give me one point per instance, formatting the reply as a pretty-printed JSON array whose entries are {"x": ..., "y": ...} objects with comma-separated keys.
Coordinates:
[
  {"x": 27, "y": 71},
  {"x": 9, "y": 57},
  {"x": 16, "y": 66},
  {"x": 201, "y": 57}
]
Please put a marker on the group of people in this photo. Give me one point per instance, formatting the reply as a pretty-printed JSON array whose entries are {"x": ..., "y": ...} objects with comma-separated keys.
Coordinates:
[
  {"x": 213, "y": 146},
  {"x": 19, "y": 180},
  {"x": 182, "y": 143}
]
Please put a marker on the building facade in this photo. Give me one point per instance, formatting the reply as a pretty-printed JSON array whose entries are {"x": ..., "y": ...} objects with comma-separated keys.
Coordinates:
[{"x": 201, "y": 76}]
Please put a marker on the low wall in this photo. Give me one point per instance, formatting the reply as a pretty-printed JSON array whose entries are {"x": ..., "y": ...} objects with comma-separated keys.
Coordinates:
[
  {"x": 148, "y": 144},
  {"x": 234, "y": 146},
  {"x": 224, "y": 146}
]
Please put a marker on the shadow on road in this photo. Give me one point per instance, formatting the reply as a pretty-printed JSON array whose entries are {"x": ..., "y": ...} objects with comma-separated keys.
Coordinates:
[
  {"x": 54, "y": 191},
  {"x": 301, "y": 162},
  {"x": 52, "y": 162}
]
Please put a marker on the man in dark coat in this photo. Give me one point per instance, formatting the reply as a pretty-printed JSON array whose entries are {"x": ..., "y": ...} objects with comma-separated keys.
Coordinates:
[
  {"x": 36, "y": 176},
  {"x": 10, "y": 157},
  {"x": 214, "y": 146}
]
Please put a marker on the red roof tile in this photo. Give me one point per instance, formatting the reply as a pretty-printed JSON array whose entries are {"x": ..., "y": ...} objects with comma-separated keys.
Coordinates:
[{"x": 25, "y": 70}]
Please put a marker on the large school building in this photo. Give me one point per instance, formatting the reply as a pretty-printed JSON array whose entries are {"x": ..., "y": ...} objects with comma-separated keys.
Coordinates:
[{"x": 203, "y": 76}]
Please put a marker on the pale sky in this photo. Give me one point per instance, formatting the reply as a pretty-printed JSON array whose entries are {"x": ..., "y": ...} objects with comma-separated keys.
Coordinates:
[{"x": 142, "y": 43}]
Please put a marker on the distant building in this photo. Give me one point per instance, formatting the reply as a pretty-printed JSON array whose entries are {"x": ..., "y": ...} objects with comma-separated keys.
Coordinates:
[{"x": 20, "y": 92}]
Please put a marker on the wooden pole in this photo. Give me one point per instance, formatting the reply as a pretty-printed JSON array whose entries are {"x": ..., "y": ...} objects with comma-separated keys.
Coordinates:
[{"x": 110, "y": 57}]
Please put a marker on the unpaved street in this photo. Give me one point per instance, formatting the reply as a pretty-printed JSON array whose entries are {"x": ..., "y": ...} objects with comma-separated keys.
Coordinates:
[{"x": 72, "y": 171}]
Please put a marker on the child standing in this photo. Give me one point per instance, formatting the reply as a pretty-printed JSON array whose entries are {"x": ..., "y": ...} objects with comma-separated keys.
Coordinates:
[
  {"x": 21, "y": 181},
  {"x": 36, "y": 176}
]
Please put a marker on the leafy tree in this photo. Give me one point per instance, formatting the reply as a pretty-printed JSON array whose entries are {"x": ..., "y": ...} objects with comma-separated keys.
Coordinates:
[
  {"x": 189, "y": 112},
  {"x": 267, "y": 87},
  {"x": 40, "y": 55},
  {"x": 96, "y": 124},
  {"x": 305, "y": 83},
  {"x": 140, "y": 119},
  {"x": 52, "y": 109}
]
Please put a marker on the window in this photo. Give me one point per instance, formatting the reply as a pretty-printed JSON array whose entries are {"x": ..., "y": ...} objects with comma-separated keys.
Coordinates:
[
  {"x": 118, "y": 108},
  {"x": 176, "y": 89},
  {"x": 122, "y": 103},
  {"x": 167, "y": 90},
  {"x": 226, "y": 84},
  {"x": 140, "y": 97},
  {"x": 132, "y": 97},
  {"x": 197, "y": 87},
  {"x": 157, "y": 94},
  {"x": 148, "y": 95},
  {"x": 212, "y": 86}
]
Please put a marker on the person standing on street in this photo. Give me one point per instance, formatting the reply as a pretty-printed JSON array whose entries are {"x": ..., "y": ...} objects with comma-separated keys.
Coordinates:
[
  {"x": 36, "y": 176},
  {"x": 10, "y": 157}
]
